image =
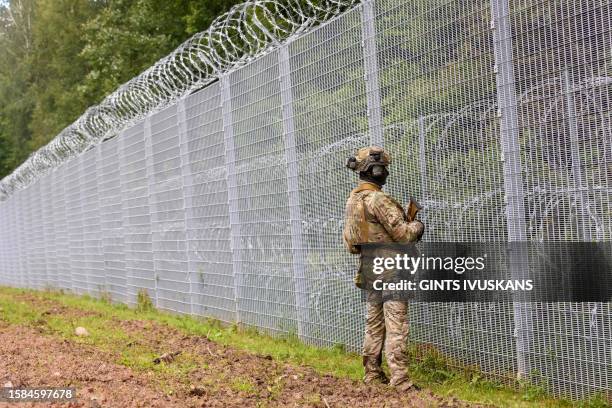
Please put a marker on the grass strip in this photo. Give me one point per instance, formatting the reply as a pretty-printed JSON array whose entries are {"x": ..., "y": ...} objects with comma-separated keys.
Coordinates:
[{"x": 431, "y": 371}]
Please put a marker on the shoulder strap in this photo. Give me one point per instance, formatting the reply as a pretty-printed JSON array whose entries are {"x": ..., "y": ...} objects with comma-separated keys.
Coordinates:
[{"x": 364, "y": 226}]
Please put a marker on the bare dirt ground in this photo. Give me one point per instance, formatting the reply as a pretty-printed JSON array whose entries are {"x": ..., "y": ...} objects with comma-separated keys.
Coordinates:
[{"x": 219, "y": 377}]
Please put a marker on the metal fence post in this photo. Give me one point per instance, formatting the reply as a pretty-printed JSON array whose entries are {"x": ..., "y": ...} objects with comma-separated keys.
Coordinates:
[
  {"x": 370, "y": 60},
  {"x": 232, "y": 186},
  {"x": 186, "y": 188},
  {"x": 295, "y": 213},
  {"x": 150, "y": 181},
  {"x": 512, "y": 168}
]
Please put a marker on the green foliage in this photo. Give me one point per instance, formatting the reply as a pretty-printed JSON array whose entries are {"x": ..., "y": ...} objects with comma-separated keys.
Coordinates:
[
  {"x": 58, "y": 57},
  {"x": 143, "y": 301},
  {"x": 596, "y": 401},
  {"x": 126, "y": 37},
  {"x": 243, "y": 385},
  {"x": 433, "y": 366},
  {"x": 16, "y": 103},
  {"x": 532, "y": 392}
]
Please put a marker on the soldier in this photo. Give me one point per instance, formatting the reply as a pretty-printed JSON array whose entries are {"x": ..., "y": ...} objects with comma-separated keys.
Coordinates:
[{"x": 373, "y": 216}]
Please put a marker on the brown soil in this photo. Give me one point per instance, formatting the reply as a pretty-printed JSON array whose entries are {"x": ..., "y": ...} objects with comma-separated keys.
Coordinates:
[{"x": 221, "y": 376}]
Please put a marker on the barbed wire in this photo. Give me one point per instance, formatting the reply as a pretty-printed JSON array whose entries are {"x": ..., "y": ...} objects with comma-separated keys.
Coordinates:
[{"x": 245, "y": 32}]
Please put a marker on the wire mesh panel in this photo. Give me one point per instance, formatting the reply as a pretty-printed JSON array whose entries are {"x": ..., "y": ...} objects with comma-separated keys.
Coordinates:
[
  {"x": 26, "y": 229},
  {"x": 16, "y": 241},
  {"x": 265, "y": 288},
  {"x": 10, "y": 239},
  {"x": 564, "y": 82},
  {"x": 49, "y": 240},
  {"x": 74, "y": 223},
  {"x": 5, "y": 276},
  {"x": 28, "y": 232},
  {"x": 111, "y": 219},
  {"x": 436, "y": 68},
  {"x": 7, "y": 230},
  {"x": 136, "y": 218},
  {"x": 39, "y": 238},
  {"x": 60, "y": 221},
  {"x": 168, "y": 213},
  {"x": 207, "y": 211},
  {"x": 6, "y": 273},
  {"x": 20, "y": 211},
  {"x": 35, "y": 267},
  {"x": 92, "y": 244},
  {"x": 13, "y": 236},
  {"x": 330, "y": 120}
]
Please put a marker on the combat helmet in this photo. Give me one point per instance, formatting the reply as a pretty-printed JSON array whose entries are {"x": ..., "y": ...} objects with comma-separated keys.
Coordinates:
[{"x": 366, "y": 157}]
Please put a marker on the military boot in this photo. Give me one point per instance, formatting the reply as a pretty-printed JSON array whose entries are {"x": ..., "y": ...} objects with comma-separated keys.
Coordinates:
[
  {"x": 405, "y": 385},
  {"x": 373, "y": 371}
]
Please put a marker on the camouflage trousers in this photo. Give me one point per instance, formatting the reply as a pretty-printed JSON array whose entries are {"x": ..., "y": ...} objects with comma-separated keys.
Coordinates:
[{"x": 386, "y": 324}]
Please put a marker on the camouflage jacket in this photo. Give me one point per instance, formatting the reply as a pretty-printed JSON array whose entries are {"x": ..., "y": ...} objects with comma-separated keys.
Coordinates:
[{"x": 373, "y": 216}]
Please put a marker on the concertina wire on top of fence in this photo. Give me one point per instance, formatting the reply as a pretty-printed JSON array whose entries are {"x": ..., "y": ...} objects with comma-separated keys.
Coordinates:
[{"x": 229, "y": 203}]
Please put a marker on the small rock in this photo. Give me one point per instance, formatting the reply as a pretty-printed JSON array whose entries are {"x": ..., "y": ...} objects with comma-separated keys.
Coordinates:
[
  {"x": 8, "y": 384},
  {"x": 196, "y": 391},
  {"x": 57, "y": 374},
  {"x": 166, "y": 357},
  {"x": 81, "y": 332}
]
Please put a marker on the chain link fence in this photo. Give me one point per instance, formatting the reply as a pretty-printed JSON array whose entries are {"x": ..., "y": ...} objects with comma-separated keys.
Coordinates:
[{"x": 230, "y": 203}]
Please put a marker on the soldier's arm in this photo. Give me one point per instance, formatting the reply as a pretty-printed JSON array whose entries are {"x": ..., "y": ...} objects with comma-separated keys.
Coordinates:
[
  {"x": 351, "y": 248},
  {"x": 392, "y": 219}
]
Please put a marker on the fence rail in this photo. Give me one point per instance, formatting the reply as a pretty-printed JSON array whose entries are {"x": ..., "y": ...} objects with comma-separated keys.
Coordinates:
[{"x": 229, "y": 203}]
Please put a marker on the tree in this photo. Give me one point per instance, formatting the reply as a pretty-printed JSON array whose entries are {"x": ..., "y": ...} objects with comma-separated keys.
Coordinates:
[
  {"x": 15, "y": 100},
  {"x": 127, "y": 37},
  {"x": 57, "y": 67},
  {"x": 58, "y": 57}
]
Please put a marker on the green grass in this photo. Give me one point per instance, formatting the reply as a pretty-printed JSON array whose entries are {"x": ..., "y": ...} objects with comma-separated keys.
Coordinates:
[
  {"x": 243, "y": 385},
  {"x": 431, "y": 371}
]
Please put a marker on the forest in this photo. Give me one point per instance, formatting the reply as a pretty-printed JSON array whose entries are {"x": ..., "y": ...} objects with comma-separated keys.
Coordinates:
[{"x": 58, "y": 57}]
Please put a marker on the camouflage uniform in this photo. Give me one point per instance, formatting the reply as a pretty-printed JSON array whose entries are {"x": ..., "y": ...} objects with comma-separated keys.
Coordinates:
[{"x": 373, "y": 216}]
